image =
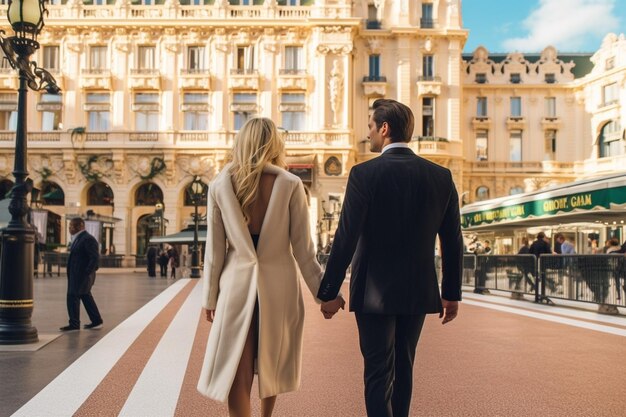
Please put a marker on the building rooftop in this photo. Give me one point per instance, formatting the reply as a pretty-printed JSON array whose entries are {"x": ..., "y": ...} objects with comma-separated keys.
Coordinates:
[{"x": 581, "y": 59}]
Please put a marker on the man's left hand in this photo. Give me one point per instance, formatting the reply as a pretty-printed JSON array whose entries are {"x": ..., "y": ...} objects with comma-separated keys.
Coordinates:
[{"x": 450, "y": 310}]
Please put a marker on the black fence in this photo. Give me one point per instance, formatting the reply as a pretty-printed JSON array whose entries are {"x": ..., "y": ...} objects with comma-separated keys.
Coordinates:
[
  {"x": 596, "y": 279},
  {"x": 53, "y": 261}
]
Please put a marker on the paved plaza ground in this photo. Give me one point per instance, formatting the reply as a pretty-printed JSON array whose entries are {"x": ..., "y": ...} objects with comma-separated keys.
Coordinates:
[{"x": 499, "y": 358}]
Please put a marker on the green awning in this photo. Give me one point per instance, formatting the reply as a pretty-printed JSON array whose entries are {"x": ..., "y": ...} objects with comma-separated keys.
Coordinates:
[{"x": 598, "y": 199}]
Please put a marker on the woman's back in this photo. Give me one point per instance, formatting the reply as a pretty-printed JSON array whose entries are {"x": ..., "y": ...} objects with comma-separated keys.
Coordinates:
[{"x": 259, "y": 207}]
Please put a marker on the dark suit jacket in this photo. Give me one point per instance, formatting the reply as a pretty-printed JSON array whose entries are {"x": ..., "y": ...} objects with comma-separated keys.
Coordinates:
[
  {"x": 539, "y": 246},
  {"x": 82, "y": 264},
  {"x": 395, "y": 206}
]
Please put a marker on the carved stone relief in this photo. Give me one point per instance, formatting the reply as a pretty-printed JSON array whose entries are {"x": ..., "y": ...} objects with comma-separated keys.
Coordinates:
[{"x": 197, "y": 165}]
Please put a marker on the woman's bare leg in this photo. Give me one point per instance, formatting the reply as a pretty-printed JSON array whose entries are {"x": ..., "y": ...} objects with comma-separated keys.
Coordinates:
[
  {"x": 239, "y": 396},
  {"x": 267, "y": 406}
]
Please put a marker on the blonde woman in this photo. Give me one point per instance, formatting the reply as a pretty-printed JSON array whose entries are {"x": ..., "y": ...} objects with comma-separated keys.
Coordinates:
[{"x": 258, "y": 231}]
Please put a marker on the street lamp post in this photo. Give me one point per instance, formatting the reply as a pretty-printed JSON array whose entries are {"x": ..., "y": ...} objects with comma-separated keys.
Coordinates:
[
  {"x": 158, "y": 212},
  {"x": 18, "y": 238},
  {"x": 196, "y": 191}
]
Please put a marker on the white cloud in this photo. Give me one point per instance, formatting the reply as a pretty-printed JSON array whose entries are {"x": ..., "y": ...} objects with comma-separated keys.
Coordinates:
[{"x": 567, "y": 25}]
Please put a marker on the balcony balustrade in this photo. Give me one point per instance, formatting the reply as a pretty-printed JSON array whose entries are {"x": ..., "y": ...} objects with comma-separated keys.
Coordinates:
[
  {"x": 244, "y": 78},
  {"x": 95, "y": 78},
  {"x": 215, "y": 11},
  {"x": 185, "y": 139},
  {"x": 296, "y": 79},
  {"x": 428, "y": 85},
  {"x": 374, "y": 85}
]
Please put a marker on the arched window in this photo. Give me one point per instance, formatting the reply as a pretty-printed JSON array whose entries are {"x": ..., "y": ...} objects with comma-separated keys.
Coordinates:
[
  {"x": 189, "y": 200},
  {"x": 516, "y": 190},
  {"x": 5, "y": 187},
  {"x": 99, "y": 194},
  {"x": 52, "y": 194},
  {"x": 145, "y": 230},
  {"x": 482, "y": 193},
  {"x": 148, "y": 194},
  {"x": 610, "y": 142}
]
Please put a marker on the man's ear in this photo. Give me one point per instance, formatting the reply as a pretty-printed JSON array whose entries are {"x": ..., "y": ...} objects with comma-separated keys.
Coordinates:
[{"x": 384, "y": 129}]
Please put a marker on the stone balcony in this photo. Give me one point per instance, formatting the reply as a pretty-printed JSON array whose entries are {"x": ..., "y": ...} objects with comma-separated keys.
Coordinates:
[
  {"x": 195, "y": 79},
  {"x": 428, "y": 85},
  {"x": 374, "y": 86},
  {"x": 293, "y": 79},
  {"x": 244, "y": 79},
  {"x": 95, "y": 79},
  {"x": 481, "y": 122},
  {"x": 145, "y": 79},
  {"x": 551, "y": 123},
  {"x": 516, "y": 123},
  {"x": 430, "y": 145}
]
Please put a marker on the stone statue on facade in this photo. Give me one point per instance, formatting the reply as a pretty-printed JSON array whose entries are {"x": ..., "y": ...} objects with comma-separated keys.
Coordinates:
[{"x": 335, "y": 88}]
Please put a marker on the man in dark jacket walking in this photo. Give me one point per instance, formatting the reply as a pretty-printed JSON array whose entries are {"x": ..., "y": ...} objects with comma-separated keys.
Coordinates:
[
  {"x": 81, "y": 275},
  {"x": 394, "y": 208}
]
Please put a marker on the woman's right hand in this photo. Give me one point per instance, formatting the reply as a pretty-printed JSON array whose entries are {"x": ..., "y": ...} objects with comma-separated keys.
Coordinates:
[{"x": 210, "y": 315}]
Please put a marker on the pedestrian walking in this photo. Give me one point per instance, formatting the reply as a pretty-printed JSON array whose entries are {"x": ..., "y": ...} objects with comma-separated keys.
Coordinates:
[
  {"x": 251, "y": 290},
  {"x": 82, "y": 264},
  {"x": 395, "y": 206}
]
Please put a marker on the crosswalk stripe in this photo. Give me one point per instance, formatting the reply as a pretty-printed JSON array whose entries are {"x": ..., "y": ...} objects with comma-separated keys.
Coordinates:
[
  {"x": 157, "y": 389},
  {"x": 66, "y": 393}
]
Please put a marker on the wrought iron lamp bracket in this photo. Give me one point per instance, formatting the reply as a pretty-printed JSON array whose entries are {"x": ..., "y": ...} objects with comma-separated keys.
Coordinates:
[{"x": 17, "y": 51}]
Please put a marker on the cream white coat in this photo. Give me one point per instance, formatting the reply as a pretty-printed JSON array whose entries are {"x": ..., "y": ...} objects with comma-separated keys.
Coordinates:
[{"x": 235, "y": 275}]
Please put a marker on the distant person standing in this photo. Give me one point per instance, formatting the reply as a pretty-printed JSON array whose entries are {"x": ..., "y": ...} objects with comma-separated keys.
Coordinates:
[
  {"x": 540, "y": 245},
  {"x": 525, "y": 248},
  {"x": 81, "y": 275},
  {"x": 566, "y": 247},
  {"x": 174, "y": 261},
  {"x": 487, "y": 248},
  {"x": 163, "y": 261},
  {"x": 151, "y": 258}
]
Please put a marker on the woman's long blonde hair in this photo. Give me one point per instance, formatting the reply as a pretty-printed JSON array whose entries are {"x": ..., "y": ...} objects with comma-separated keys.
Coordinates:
[{"x": 256, "y": 145}]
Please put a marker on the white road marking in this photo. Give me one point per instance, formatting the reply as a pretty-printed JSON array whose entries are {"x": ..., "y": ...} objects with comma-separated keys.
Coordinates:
[
  {"x": 553, "y": 309},
  {"x": 67, "y": 392},
  {"x": 547, "y": 317},
  {"x": 158, "y": 387}
]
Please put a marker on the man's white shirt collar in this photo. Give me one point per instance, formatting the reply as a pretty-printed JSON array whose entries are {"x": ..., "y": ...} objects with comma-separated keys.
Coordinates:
[
  {"x": 74, "y": 236},
  {"x": 395, "y": 145}
]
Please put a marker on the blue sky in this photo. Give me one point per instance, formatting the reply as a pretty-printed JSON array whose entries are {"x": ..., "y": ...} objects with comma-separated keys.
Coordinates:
[{"x": 531, "y": 25}]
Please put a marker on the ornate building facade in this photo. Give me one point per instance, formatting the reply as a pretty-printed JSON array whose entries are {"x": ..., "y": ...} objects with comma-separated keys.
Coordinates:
[{"x": 154, "y": 93}]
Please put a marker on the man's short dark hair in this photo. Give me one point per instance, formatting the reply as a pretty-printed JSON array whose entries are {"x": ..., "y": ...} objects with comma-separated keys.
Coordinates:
[
  {"x": 559, "y": 236},
  {"x": 398, "y": 116},
  {"x": 78, "y": 221},
  {"x": 541, "y": 235}
]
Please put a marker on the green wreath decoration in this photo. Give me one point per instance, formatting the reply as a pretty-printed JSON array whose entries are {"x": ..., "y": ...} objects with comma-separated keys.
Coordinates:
[
  {"x": 88, "y": 172},
  {"x": 157, "y": 166}
]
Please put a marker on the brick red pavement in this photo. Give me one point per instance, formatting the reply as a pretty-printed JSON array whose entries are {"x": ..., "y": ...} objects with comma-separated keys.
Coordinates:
[{"x": 485, "y": 363}]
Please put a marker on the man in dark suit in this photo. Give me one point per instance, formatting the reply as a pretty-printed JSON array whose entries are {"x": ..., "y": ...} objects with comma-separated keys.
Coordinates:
[
  {"x": 151, "y": 258},
  {"x": 81, "y": 275},
  {"x": 394, "y": 208}
]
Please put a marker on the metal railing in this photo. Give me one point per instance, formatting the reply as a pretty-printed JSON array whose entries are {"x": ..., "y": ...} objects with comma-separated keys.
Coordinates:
[
  {"x": 599, "y": 279},
  {"x": 596, "y": 279},
  {"x": 374, "y": 79}
]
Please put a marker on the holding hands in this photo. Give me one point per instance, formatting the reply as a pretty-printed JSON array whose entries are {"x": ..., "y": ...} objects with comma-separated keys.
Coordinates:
[{"x": 329, "y": 308}]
